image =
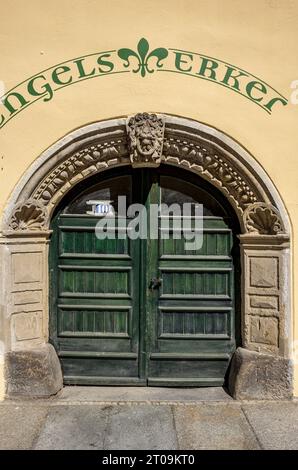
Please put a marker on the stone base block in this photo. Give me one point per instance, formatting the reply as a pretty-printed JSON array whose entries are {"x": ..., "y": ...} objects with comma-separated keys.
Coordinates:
[
  {"x": 257, "y": 376},
  {"x": 33, "y": 373}
]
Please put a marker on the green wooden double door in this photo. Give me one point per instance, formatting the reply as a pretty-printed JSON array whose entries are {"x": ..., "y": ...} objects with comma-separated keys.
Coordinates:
[{"x": 131, "y": 309}]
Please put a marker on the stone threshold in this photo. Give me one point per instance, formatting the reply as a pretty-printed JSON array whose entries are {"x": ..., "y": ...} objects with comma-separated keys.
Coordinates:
[{"x": 88, "y": 395}]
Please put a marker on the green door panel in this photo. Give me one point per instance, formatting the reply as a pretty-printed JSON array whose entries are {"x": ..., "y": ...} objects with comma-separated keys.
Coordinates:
[
  {"x": 107, "y": 325},
  {"x": 95, "y": 304},
  {"x": 192, "y": 313}
]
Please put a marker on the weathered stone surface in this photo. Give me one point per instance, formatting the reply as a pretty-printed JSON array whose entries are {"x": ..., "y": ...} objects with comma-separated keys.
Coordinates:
[
  {"x": 274, "y": 423},
  {"x": 20, "y": 425},
  {"x": 265, "y": 317},
  {"x": 33, "y": 373},
  {"x": 263, "y": 271},
  {"x": 257, "y": 376},
  {"x": 27, "y": 325},
  {"x": 213, "y": 427},
  {"x": 264, "y": 330},
  {"x": 55, "y": 424},
  {"x": 141, "y": 427},
  {"x": 81, "y": 394},
  {"x": 74, "y": 428}
]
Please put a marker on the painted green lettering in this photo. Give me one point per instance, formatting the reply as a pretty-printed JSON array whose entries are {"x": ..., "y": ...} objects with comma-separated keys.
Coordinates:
[
  {"x": 2, "y": 120},
  {"x": 81, "y": 69},
  {"x": 59, "y": 71},
  {"x": 254, "y": 85},
  {"x": 12, "y": 109},
  {"x": 273, "y": 101},
  {"x": 108, "y": 66},
  {"x": 46, "y": 89},
  {"x": 179, "y": 61},
  {"x": 210, "y": 65},
  {"x": 228, "y": 76}
]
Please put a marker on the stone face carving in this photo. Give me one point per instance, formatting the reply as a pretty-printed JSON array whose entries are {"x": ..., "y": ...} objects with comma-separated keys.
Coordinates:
[
  {"x": 145, "y": 136},
  {"x": 213, "y": 166},
  {"x": 83, "y": 163},
  {"x": 28, "y": 215},
  {"x": 263, "y": 219}
]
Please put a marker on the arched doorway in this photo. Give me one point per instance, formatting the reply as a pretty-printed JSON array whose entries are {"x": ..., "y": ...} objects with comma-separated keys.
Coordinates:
[
  {"x": 262, "y": 367},
  {"x": 145, "y": 306}
]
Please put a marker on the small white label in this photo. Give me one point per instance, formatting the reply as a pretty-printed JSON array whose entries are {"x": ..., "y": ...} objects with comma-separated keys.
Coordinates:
[{"x": 100, "y": 208}]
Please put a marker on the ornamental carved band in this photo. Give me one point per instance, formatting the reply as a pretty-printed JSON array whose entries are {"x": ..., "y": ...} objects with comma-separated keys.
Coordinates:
[
  {"x": 211, "y": 166},
  {"x": 30, "y": 215},
  {"x": 145, "y": 139},
  {"x": 263, "y": 219},
  {"x": 86, "y": 162}
]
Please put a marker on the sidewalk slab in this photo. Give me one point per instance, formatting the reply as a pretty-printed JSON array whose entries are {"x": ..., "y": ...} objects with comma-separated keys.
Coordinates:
[
  {"x": 141, "y": 427},
  {"x": 214, "y": 427},
  {"x": 20, "y": 425},
  {"x": 275, "y": 424},
  {"x": 69, "y": 424},
  {"x": 94, "y": 427},
  {"x": 73, "y": 428}
]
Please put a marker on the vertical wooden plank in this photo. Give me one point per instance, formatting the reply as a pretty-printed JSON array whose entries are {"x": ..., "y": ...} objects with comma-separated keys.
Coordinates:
[
  {"x": 99, "y": 321},
  {"x": 199, "y": 323},
  {"x": 89, "y": 320}
]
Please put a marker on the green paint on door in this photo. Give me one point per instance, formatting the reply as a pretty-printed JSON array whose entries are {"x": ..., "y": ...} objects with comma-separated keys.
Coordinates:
[{"x": 144, "y": 311}]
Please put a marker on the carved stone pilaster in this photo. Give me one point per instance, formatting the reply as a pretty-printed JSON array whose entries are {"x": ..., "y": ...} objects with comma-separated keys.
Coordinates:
[
  {"x": 265, "y": 296},
  {"x": 263, "y": 219},
  {"x": 145, "y": 136}
]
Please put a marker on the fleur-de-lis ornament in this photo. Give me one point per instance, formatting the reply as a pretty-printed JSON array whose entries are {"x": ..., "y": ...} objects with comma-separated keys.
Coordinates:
[{"x": 143, "y": 57}]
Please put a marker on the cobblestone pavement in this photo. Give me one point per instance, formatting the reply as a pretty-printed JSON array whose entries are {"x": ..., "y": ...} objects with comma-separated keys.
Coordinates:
[{"x": 147, "y": 418}]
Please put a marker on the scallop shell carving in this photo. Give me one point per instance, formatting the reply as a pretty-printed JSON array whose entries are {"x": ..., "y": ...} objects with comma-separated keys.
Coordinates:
[
  {"x": 263, "y": 219},
  {"x": 28, "y": 215}
]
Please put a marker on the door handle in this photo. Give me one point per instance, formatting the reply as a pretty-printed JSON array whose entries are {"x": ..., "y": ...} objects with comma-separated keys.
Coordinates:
[{"x": 155, "y": 283}]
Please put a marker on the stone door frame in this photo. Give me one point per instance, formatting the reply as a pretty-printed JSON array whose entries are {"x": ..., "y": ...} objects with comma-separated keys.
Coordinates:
[{"x": 146, "y": 140}]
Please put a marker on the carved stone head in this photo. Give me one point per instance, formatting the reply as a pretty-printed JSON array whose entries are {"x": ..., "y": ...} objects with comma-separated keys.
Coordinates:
[{"x": 145, "y": 138}]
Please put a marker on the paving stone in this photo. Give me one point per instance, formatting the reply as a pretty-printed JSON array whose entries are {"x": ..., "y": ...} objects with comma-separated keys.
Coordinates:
[
  {"x": 20, "y": 425},
  {"x": 213, "y": 427},
  {"x": 54, "y": 424},
  {"x": 275, "y": 424},
  {"x": 141, "y": 427},
  {"x": 74, "y": 428}
]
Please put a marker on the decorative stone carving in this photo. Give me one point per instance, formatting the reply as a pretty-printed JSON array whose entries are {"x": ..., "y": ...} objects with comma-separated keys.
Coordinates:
[
  {"x": 265, "y": 310},
  {"x": 265, "y": 295},
  {"x": 29, "y": 215},
  {"x": 213, "y": 167},
  {"x": 85, "y": 162},
  {"x": 147, "y": 143},
  {"x": 145, "y": 135},
  {"x": 263, "y": 219}
]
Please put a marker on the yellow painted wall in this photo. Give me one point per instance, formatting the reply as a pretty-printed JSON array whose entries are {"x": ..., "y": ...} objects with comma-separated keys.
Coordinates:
[{"x": 259, "y": 36}]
